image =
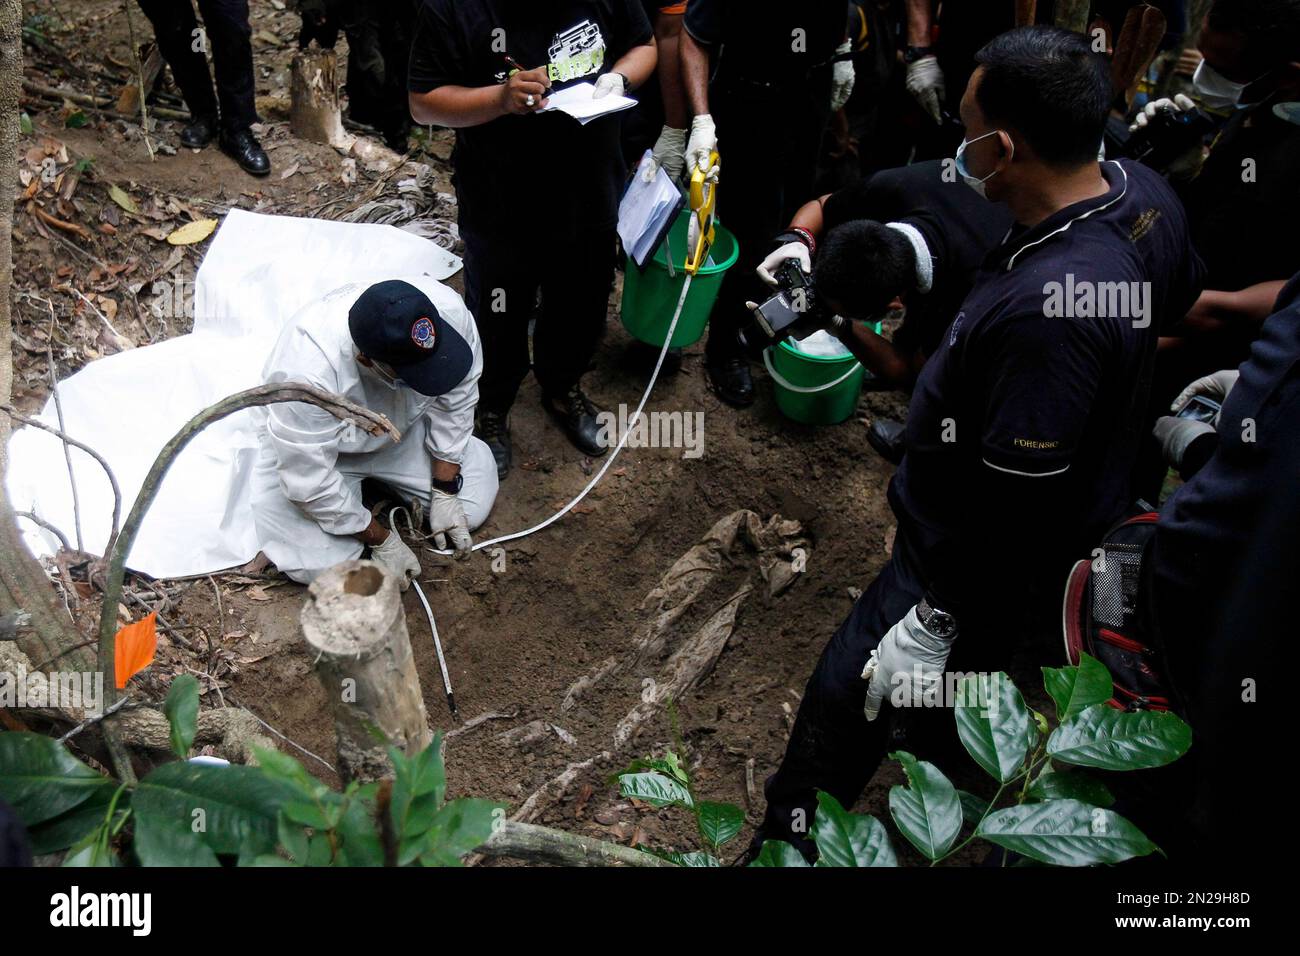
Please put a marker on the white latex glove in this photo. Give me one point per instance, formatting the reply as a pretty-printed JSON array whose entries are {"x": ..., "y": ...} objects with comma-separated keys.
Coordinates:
[
  {"x": 842, "y": 78},
  {"x": 669, "y": 152},
  {"x": 1179, "y": 103},
  {"x": 447, "y": 520},
  {"x": 926, "y": 84},
  {"x": 1214, "y": 386},
  {"x": 1176, "y": 436},
  {"x": 703, "y": 141},
  {"x": 399, "y": 560},
  {"x": 893, "y": 664},
  {"x": 607, "y": 84},
  {"x": 791, "y": 250}
]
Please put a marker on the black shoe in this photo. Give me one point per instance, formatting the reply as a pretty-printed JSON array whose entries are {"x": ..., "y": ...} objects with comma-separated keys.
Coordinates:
[
  {"x": 199, "y": 132},
  {"x": 731, "y": 381},
  {"x": 494, "y": 433},
  {"x": 244, "y": 149},
  {"x": 887, "y": 438},
  {"x": 577, "y": 416}
]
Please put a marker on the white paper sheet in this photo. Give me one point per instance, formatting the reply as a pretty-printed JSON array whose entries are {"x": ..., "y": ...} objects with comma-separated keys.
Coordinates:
[
  {"x": 257, "y": 273},
  {"x": 578, "y": 102},
  {"x": 646, "y": 208}
]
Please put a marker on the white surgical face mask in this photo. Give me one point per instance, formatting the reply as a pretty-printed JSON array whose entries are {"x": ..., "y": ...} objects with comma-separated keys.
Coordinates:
[
  {"x": 972, "y": 181},
  {"x": 1215, "y": 90}
]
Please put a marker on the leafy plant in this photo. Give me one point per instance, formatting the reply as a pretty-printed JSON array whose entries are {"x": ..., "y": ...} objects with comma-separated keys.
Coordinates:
[
  {"x": 1044, "y": 808},
  {"x": 272, "y": 814},
  {"x": 665, "y": 782}
]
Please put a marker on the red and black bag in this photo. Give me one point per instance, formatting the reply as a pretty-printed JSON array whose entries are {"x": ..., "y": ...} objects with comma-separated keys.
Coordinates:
[{"x": 1107, "y": 613}]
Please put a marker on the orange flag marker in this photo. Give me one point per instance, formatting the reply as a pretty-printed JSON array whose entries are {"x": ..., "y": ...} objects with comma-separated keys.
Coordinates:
[{"x": 134, "y": 648}]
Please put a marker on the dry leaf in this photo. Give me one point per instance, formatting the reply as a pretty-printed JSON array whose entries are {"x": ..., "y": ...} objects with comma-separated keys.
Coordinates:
[
  {"x": 121, "y": 197},
  {"x": 192, "y": 232},
  {"x": 257, "y": 593},
  {"x": 134, "y": 648}
]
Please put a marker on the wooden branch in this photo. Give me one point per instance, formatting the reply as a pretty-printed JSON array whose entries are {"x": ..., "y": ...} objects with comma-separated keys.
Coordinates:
[
  {"x": 112, "y": 479},
  {"x": 100, "y": 104},
  {"x": 525, "y": 841},
  {"x": 274, "y": 394}
]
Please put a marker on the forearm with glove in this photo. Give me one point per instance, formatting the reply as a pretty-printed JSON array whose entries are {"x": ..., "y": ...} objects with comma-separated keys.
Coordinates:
[{"x": 1185, "y": 443}]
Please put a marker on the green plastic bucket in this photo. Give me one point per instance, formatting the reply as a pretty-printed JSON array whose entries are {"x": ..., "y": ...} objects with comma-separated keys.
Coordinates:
[
  {"x": 650, "y": 296},
  {"x": 835, "y": 383}
]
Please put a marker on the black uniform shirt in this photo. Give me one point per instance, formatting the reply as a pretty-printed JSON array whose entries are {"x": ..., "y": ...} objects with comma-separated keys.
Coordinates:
[
  {"x": 769, "y": 41},
  {"x": 959, "y": 227},
  {"x": 1245, "y": 204},
  {"x": 545, "y": 174},
  {"x": 1033, "y": 381}
]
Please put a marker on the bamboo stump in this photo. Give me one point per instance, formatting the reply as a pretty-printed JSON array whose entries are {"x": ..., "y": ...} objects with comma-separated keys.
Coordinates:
[
  {"x": 314, "y": 113},
  {"x": 356, "y": 628}
]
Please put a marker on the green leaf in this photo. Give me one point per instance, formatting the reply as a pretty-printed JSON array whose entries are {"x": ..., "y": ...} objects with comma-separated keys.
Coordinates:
[
  {"x": 91, "y": 851},
  {"x": 1070, "y": 785},
  {"x": 1111, "y": 739},
  {"x": 1065, "y": 833},
  {"x": 182, "y": 711},
  {"x": 1075, "y": 689},
  {"x": 845, "y": 839},
  {"x": 778, "y": 853},
  {"x": 973, "y": 808},
  {"x": 41, "y": 780},
  {"x": 25, "y": 124},
  {"x": 293, "y": 838},
  {"x": 993, "y": 723},
  {"x": 186, "y": 814},
  {"x": 68, "y": 829},
  {"x": 460, "y": 827},
  {"x": 655, "y": 789},
  {"x": 306, "y": 814},
  {"x": 927, "y": 811},
  {"x": 280, "y": 766},
  {"x": 719, "y": 822},
  {"x": 76, "y": 120}
]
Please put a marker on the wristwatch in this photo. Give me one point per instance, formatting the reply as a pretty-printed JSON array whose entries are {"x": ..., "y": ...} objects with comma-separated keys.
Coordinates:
[
  {"x": 913, "y": 53},
  {"x": 450, "y": 487},
  {"x": 937, "y": 622},
  {"x": 624, "y": 79}
]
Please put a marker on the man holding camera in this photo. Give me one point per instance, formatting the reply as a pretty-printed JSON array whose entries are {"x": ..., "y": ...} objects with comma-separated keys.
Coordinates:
[
  {"x": 1023, "y": 426},
  {"x": 915, "y": 233}
]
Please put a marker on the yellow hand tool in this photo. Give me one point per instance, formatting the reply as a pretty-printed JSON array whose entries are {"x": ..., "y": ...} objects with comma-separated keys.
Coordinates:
[{"x": 704, "y": 203}]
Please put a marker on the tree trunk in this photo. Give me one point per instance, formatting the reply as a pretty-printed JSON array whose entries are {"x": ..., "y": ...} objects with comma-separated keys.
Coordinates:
[
  {"x": 356, "y": 628},
  {"x": 23, "y": 585},
  {"x": 314, "y": 90}
]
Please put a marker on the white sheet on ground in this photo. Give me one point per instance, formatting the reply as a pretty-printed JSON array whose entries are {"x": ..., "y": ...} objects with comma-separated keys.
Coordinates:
[{"x": 257, "y": 273}]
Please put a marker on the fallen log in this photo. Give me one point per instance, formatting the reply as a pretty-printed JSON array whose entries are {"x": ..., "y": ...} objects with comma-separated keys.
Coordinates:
[{"x": 534, "y": 844}]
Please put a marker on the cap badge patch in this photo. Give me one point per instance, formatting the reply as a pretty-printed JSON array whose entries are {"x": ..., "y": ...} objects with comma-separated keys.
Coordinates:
[{"x": 422, "y": 333}]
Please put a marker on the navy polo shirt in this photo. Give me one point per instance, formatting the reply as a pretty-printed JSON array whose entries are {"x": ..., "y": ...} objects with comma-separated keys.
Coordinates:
[{"x": 1042, "y": 375}]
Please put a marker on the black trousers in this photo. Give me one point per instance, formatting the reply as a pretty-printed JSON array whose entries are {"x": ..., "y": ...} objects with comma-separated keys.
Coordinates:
[
  {"x": 502, "y": 281},
  {"x": 225, "y": 23},
  {"x": 833, "y": 747},
  {"x": 768, "y": 142}
]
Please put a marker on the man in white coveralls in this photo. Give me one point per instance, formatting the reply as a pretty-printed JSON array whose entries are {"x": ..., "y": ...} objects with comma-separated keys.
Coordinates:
[{"x": 407, "y": 349}]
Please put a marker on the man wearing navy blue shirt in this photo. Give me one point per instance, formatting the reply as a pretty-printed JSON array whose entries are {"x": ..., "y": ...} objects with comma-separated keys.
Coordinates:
[{"x": 1024, "y": 425}]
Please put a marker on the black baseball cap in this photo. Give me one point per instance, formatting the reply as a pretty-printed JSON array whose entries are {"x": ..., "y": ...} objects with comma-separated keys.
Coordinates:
[{"x": 395, "y": 323}]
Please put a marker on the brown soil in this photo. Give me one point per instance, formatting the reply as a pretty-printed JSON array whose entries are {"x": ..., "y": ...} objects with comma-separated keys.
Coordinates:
[{"x": 567, "y": 598}]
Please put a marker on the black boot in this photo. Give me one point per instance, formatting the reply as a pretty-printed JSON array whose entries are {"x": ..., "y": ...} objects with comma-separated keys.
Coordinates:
[
  {"x": 577, "y": 416},
  {"x": 199, "y": 132},
  {"x": 493, "y": 431},
  {"x": 887, "y": 437},
  {"x": 731, "y": 381},
  {"x": 242, "y": 146}
]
